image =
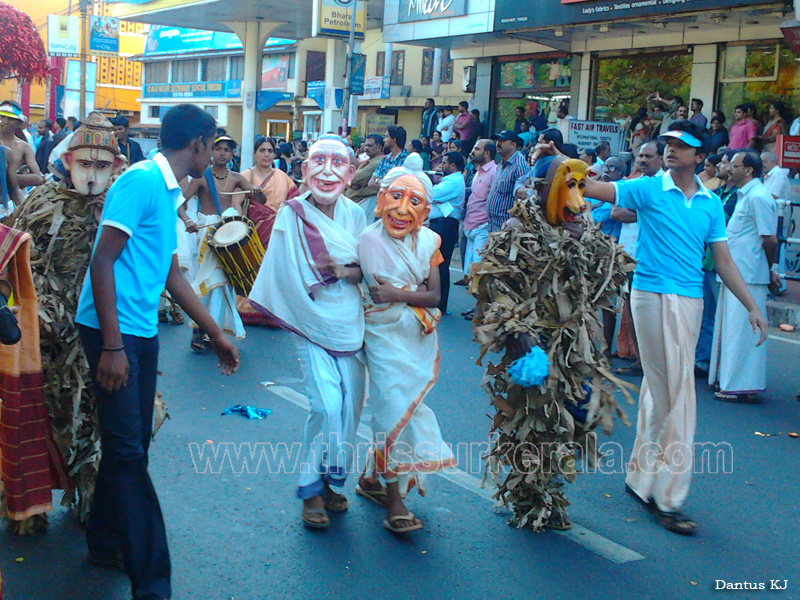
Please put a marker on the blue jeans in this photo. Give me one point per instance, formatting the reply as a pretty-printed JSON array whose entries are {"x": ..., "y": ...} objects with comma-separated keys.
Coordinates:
[
  {"x": 703, "y": 350},
  {"x": 126, "y": 516}
]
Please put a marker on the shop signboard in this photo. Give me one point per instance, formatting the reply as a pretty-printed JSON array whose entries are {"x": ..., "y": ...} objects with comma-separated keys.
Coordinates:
[
  {"x": 316, "y": 91},
  {"x": 104, "y": 36},
  {"x": 358, "y": 71},
  {"x": 266, "y": 99},
  {"x": 376, "y": 88},
  {"x": 513, "y": 14},
  {"x": 587, "y": 134},
  {"x": 202, "y": 89},
  {"x": 63, "y": 35},
  {"x": 331, "y": 18},
  {"x": 378, "y": 124},
  {"x": 788, "y": 147},
  {"x": 424, "y": 10}
]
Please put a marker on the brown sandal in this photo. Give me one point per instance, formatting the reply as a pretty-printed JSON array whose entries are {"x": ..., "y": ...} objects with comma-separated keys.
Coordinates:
[{"x": 390, "y": 523}]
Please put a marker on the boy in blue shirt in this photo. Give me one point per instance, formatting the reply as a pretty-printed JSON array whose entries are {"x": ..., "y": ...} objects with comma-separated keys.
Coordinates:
[
  {"x": 677, "y": 216},
  {"x": 134, "y": 259}
]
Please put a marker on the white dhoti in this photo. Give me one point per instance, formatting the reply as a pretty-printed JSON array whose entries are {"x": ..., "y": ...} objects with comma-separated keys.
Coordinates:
[
  {"x": 335, "y": 388},
  {"x": 211, "y": 283},
  {"x": 298, "y": 289},
  {"x": 402, "y": 348},
  {"x": 667, "y": 328},
  {"x": 737, "y": 365}
]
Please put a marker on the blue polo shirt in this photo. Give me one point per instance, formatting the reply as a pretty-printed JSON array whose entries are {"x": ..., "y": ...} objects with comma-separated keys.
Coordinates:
[
  {"x": 141, "y": 204},
  {"x": 673, "y": 232}
]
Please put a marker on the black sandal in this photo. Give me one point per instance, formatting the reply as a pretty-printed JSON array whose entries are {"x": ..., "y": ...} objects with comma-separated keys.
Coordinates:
[{"x": 676, "y": 522}]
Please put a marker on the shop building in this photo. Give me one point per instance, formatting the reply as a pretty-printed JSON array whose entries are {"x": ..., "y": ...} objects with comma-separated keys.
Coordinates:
[{"x": 606, "y": 57}]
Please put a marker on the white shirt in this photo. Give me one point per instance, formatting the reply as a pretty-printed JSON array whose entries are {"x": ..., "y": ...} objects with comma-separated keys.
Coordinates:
[
  {"x": 776, "y": 181},
  {"x": 755, "y": 215},
  {"x": 794, "y": 128},
  {"x": 445, "y": 126}
]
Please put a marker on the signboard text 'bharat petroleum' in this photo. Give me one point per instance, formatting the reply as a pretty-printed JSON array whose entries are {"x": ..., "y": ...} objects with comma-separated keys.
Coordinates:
[{"x": 331, "y": 18}]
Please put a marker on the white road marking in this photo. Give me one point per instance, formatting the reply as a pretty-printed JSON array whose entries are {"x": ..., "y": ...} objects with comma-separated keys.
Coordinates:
[
  {"x": 587, "y": 538},
  {"x": 780, "y": 338}
]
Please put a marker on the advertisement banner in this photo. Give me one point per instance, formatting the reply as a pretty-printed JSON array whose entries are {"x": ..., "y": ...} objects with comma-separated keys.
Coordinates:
[
  {"x": 331, "y": 18},
  {"x": 587, "y": 134},
  {"x": 513, "y": 14},
  {"x": 275, "y": 72},
  {"x": 63, "y": 35},
  {"x": 378, "y": 124},
  {"x": 104, "y": 36},
  {"x": 205, "y": 89},
  {"x": 358, "y": 72},
  {"x": 180, "y": 40},
  {"x": 376, "y": 88},
  {"x": 424, "y": 10}
]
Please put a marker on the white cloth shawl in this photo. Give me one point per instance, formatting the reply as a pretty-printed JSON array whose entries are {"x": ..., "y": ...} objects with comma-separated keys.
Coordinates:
[{"x": 296, "y": 287}]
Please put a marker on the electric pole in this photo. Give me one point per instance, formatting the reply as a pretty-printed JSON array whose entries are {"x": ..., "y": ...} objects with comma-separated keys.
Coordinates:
[
  {"x": 84, "y": 7},
  {"x": 351, "y": 42}
]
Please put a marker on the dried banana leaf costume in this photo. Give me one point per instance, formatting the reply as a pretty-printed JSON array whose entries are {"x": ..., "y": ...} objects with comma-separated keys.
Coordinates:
[
  {"x": 546, "y": 282},
  {"x": 62, "y": 223}
]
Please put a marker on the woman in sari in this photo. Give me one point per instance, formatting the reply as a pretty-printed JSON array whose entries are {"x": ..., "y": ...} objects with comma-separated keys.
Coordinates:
[
  {"x": 778, "y": 124},
  {"x": 274, "y": 188}
]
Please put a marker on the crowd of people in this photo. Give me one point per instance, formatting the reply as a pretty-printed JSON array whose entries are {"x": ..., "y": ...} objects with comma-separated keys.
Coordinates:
[{"x": 355, "y": 248}]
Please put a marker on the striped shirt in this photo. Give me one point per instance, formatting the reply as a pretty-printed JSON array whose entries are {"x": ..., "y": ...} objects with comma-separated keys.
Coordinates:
[
  {"x": 501, "y": 195},
  {"x": 388, "y": 163}
]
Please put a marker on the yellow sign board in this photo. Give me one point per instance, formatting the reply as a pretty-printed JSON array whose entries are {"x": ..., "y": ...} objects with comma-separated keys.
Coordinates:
[{"x": 331, "y": 18}]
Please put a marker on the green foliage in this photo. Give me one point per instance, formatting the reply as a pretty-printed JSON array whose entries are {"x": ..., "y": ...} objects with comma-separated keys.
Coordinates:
[{"x": 624, "y": 83}]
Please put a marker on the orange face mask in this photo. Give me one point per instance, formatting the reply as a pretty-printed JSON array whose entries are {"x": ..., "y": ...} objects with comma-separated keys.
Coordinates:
[
  {"x": 403, "y": 207},
  {"x": 565, "y": 202}
]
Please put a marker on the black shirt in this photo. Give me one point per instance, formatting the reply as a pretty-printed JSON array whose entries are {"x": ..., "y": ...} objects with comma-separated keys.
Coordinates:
[{"x": 133, "y": 151}]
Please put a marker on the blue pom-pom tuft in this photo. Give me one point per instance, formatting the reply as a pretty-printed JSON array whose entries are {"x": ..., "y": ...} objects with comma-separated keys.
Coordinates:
[{"x": 530, "y": 370}]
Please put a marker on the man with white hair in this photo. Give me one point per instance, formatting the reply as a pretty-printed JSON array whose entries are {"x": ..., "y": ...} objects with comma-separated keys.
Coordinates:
[
  {"x": 308, "y": 282},
  {"x": 776, "y": 178}
]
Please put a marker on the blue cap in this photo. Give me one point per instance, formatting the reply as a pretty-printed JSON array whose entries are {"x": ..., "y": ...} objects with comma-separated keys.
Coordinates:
[{"x": 684, "y": 136}]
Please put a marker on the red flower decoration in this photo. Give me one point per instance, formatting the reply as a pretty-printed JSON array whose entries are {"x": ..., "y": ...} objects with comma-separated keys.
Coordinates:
[{"x": 22, "y": 53}]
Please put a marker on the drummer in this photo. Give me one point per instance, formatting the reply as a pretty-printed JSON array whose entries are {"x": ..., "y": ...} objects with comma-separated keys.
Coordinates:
[{"x": 221, "y": 193}]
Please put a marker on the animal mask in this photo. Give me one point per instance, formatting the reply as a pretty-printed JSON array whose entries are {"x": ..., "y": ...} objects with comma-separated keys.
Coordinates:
[
  {"x": 565, "y": 203},
  {"x": 92, "y": 156}
]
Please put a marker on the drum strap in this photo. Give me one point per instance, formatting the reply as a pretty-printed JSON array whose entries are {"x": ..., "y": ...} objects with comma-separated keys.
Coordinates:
[{"x": 212, "y": 188}]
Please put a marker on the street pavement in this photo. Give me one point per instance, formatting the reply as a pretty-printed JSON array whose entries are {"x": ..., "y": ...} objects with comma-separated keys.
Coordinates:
[{"x": 238, "y": 535}]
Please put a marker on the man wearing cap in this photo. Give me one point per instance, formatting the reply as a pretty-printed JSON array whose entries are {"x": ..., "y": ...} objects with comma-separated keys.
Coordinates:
[
  {"x": 127, "y": 147},
  {"x": 677, "y": 216},
  {"x": 21, "y": 153},
  {"x": 512, "y": 167},
  {"x": 221, "y": 193}
]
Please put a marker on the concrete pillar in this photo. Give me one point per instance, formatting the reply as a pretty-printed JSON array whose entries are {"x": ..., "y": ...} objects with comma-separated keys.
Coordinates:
[
  {"x": 387, "y": 60},
  {"x": 250, "y": 83},
  {"x": 437, "y": 72},
  {"x": 335, "y": 70},
  {"x": 704, "y": 76},
  {"x": 483, "y": 87},
  {"x": 253, "y": 35},
  {"x": 580, "y": 90}
]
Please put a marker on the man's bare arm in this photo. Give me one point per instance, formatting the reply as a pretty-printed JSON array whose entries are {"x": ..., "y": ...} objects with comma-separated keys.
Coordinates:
[{"x": 623, "y": 215}]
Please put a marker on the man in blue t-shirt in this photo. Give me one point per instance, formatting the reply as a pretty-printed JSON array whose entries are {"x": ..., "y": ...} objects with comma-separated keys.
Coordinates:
[
  {"x": 677, "y": 216},
  {"x": 133, "y": 260}
]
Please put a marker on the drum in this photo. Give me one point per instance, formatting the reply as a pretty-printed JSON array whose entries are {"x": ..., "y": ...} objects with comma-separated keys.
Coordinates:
[{"x": 235, "y": 242}]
